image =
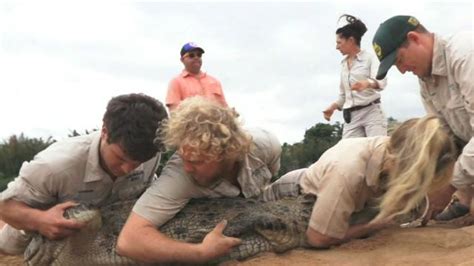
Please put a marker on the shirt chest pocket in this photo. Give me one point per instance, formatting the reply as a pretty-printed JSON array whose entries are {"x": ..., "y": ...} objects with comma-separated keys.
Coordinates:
[
  {"x": 131, "y": 187},
  {"x": 360, "y": 71},
  {"x": 92, "y": 193}
]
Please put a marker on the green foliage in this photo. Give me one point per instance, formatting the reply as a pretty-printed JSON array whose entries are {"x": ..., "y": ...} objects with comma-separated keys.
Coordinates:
[
  {"x": 16, "y": 150},
  {"x": 75, "y": 133},
  {"x": 316, "y": 141},
  {"x": 165, "y": 156},
  {"x": 392, "y": 124},
  {"x": 4, "y": 182}
]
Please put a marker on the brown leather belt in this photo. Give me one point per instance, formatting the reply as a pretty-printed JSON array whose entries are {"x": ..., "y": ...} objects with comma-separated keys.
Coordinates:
[{"x": 355, "y": 108}]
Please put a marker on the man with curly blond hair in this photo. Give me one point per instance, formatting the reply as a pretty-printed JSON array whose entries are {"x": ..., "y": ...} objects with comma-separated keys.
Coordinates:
[{"x": 215, "y": 157}]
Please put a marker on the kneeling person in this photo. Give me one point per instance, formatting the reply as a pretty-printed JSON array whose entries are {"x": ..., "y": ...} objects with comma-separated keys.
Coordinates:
[
  {"x": 117, "y": 162},
  {"x": 396, "y": 171}
]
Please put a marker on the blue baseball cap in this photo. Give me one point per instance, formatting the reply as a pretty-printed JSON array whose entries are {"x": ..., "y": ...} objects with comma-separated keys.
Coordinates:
[{"x": 189, "y": 47}]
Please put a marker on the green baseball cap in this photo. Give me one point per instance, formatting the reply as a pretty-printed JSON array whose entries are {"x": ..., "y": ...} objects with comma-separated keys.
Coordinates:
[{"x": 389, "y": 37}]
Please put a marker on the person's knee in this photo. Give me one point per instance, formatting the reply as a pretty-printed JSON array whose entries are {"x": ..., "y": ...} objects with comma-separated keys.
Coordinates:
[
  {"x": 464, "y": 196},
  {"x": 13, "y": 241}
]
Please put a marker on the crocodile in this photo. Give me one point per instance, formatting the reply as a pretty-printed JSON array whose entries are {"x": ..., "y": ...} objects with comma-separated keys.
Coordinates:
[{"x": 274, "y": 226}]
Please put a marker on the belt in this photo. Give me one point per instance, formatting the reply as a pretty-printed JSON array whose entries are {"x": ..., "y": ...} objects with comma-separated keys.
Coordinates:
[{"x": 355, "y": 108}]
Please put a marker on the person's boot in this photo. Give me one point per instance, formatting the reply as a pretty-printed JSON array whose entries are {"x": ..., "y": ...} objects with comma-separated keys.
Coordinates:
[{"x": 454, "y": 210}]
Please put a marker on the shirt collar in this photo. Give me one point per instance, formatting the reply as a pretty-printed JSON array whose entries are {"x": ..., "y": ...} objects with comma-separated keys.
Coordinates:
[
  {"x": 94, "y": 171},
  {"x": 358, "y": 56},
  {"x": 438, "y": 66},
  {"x": 185, "y": 74}
]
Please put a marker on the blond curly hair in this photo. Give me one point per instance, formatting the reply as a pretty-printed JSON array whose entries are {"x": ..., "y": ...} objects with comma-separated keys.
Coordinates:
[
  {"x": 206, "y": 129},
  {"x": 421, "y": 156}
]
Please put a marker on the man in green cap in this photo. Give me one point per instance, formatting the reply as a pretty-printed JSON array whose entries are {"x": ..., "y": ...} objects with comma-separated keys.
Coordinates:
[{"x": 445, "y": 69}]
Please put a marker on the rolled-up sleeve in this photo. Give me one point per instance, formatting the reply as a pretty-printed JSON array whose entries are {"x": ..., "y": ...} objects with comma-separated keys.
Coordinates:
[
  {"x": 167, "y": 195},
  {"x": 34, "y": 185},
  {"x": 161, "y": 201},
  {"x": 463, "y": 70},
  {"x": 430, "y": 109}
]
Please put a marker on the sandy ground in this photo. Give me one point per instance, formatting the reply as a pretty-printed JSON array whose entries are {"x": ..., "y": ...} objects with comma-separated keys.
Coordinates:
[{"x": 432, "y": 245}]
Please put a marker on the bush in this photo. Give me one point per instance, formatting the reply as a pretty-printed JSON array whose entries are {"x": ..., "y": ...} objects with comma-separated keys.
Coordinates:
[
  {"x": 4, "y": 182},
  {"x": 316, "y": 141},
  {"x": 15, "y": 151}
]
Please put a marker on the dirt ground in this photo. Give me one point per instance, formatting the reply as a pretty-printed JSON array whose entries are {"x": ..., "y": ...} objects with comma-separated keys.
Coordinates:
[{"x": 432, "y": 245}]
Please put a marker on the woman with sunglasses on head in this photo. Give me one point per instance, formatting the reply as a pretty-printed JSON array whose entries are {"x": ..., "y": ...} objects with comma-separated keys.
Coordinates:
[
  {"x": 192, "y": 81},
  {"x": 359, "y": 97},
  {"x": 393, "y": 174}
]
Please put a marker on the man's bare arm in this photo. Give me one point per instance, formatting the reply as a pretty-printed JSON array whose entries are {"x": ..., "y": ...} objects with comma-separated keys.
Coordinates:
[
  {"x": 141, "y": 241},
  {"x": 50, "y": 223}
]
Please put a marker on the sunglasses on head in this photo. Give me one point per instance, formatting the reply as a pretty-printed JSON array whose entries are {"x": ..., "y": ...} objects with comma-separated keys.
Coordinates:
[{"x": 192, "y": 55}]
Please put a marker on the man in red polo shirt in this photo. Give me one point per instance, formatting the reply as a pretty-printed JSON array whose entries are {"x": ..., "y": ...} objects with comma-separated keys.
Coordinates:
[{"x": 192, "y": 81}]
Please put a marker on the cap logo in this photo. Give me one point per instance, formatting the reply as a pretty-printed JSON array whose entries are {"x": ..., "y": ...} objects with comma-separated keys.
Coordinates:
[
  {"x": 378, "y": 50},
  {"x": 413, "y": 21}
]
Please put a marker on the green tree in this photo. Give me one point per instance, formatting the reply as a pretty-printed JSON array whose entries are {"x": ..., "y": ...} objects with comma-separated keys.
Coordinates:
[
  {"x": 317, "y": 140},
  {"x": 392, "y": 124},
  {"x": 15, "y": 151}
]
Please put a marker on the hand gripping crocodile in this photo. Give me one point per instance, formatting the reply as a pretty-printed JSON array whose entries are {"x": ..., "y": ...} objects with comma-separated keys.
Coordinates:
[{"x": 275, "y": 226}]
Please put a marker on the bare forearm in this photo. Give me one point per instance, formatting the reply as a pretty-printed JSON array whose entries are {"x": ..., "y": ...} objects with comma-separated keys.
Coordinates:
[
  {"x": 319, "y": 240},
  {"x": 19, "y": 215},
  {"x": 361, "y": 230},
  {"x": 334, "y": 106},
  {"x": 149, "y": 245}
]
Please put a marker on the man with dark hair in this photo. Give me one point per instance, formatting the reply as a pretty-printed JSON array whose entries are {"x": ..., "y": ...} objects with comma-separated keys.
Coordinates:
[
  {"x": 192, "y": 81},
  {"x": 445, "y": 69},
  {"x": 117, "y": 162},
  {"x": 359, "y": 91}
]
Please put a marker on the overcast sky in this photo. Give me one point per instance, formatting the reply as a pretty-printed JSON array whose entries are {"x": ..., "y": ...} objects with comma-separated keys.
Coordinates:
[{"x": 60, "y": 63}]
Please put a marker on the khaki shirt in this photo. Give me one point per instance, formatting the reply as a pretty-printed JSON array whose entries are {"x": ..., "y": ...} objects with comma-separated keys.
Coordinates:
[
  {"x": 344, "y": 179},
  {"x": 70, "y": 170},
  {"x": 363, "y": 67},
  {"x": 174, "y": 188},
  {"x": 449, "y": 94}
]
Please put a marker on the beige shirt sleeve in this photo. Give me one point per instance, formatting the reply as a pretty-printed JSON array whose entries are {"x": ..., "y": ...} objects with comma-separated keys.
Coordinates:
[
  {"x": 167, "y": 195},
  {"x": 334, "y": 205},
  {"x": 462, "y": 64},
  {"x": 342, "y": 95},
  {"x": 163, "y": 199},
  {"x": 430, "y": 109},
  {"x": 374, "y": 68},
  {"x": 271, "y": 148},
  {"x": 34, "y": 185}
]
